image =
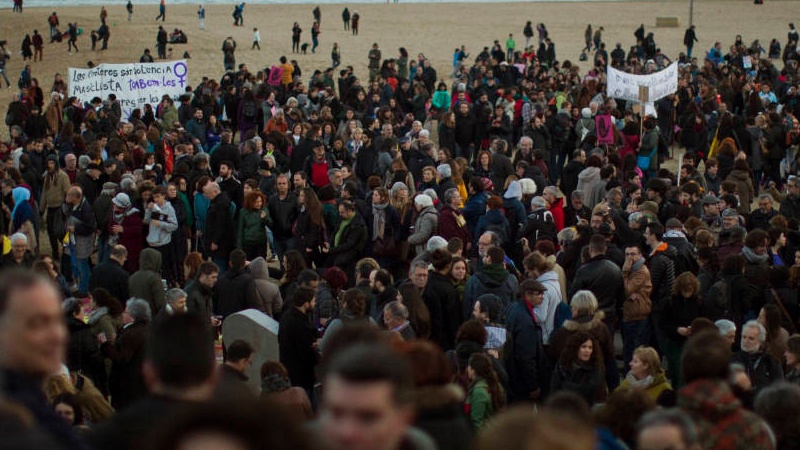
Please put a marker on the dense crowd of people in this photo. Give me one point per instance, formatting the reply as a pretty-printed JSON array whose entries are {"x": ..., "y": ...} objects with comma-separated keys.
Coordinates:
[{"x": 441, "y": 255}]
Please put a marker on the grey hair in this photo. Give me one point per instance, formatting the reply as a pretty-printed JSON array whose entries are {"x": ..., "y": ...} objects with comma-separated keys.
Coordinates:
[
  {"x": 449, "y": 194},
  {"x": 84, "y": 161},
  {"x": 585, "y": 302},
  {"x": 779, "y": 405},
  {"x": 525, "y": 139},
  {"x": 670, "y": 417},
  {"x": 551, "y": 190},
  {"x": 175, "y": 294},
  {"x": 127, "y": 184},
  {"x": 397, "y": 309},
  {"x": 417, "y": 265},
  {"x": 332, "y": 172},
  {"x": 431, "y": 193},
  {"x": 577, "y": 194},
  {"x": 765, "y": 197},
  {"x": 725, "y": 326},
  {"x": 139, "y": 309},
  {"x": 762, "y": 332},
  {"x": 635, "y": 217},
  {"x": 19, "y": 237},
  {"x": 567, "y": 235},
  {"x": 435, "y": 243},
  {"x": 495, "y": 238}
]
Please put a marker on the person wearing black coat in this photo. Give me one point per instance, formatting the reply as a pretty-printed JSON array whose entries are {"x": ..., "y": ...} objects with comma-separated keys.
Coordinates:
[
  {"x": 297, "y": 339},
  {"x": 603, "y": 278},
  {"x": 465, "y": 132},
  {"x": 35, "y": 124},
  {"x": 443, "y": 301},
  {"x": 526, "y": 362},
  {"x": 83, "y": 353},
  {"x": 235, "y": 291},
  {"x": 569, "y": 177},
  {"x": 219, "y": 236},
  {"x": 126, "y": 383},
  {"x": 111, "y": 276},
  {"x": 225, "y": 152},
  {"x": 348, "y": 241}
]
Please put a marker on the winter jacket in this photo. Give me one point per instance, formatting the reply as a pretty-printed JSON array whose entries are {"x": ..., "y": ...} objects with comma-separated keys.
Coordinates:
[
  {"x": 251, "y": 229},
  {"x": 54, "y": 190},
  {"x": 662, "y": 274},
  {"x": 592, "y": 186},
  {"x": 582, "y": 379},
  {"x": 235, "y": 291},
  {"x": 490, "y": 279},
  {"x": 146, "y": 282},
  {"x": 83, "y": 353},
  {"x": 131, "y": 237},
  {"x": 220, "y": 228},
  {"x": 569, "y": 177},
  {"x": 495, "y": 221},
  {"x": 762, "y": 369},
  {"x": 594, "y": 325},
  {"x": 637, "y": 304},
  {"x": 352, "y": 240},
  {"x": 475, "y": 208},
  {"x": 426, "y": 225},
  {"x": 126, "y": 382},
  {"x": 744, "y": 189},
  {"x": 267, "y": 294},
  {"x": 283, "y": 214},
  {"x": 479, "y": 403},
  {"x": 685, "y": 257},
  {"x": 296, "y": 338},
  {"x": 722, "y": 423},
  {"x": 442, "y": 300},
  {"x": 199, "y": 299},
  {"x": 112, "y": 277},
  {"x": 656, "y": 386},
  {"x": 161, "y": 234},
  {"x": 678, "y": 312},
  {"x": 604, "y": 279},
  {"x": 526, "y": 362},
  {"x": 439, "y": 413},
  {"x": 546, "y": 311}
]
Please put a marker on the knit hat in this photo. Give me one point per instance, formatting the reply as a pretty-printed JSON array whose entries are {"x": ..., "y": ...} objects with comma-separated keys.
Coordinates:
[
  {"x": 122, "y": 200},
  {"x": 514, "y": 190},
  {"x": 423, "y": 201}
]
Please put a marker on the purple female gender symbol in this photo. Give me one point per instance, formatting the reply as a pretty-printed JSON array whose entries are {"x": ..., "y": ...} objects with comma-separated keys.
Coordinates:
[{"x": 181, "y": 75}]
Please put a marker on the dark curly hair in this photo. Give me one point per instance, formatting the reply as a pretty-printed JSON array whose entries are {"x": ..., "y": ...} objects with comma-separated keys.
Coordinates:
[{"x": 569, "y": 355}]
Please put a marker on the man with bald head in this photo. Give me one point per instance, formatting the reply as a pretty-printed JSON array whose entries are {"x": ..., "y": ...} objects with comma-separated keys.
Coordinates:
[
  {"x": 33, "y": 339},
  {"x": 218, "y": 236},
  {"x": 81, "y": 224}
]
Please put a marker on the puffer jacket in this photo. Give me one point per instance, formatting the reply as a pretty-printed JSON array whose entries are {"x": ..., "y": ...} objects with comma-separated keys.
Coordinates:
[
  {"x": 662, "y": 274},
  {"x": 582, "y": 379},
  {"x": 146, "y": 282}
]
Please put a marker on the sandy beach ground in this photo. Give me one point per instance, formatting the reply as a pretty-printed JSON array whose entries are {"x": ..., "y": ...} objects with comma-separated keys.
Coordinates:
[{"x": 432, "y": 29}]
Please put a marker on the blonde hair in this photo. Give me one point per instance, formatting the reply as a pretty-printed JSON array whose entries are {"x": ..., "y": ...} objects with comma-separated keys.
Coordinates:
[
  {"x": 584, "y": 302},
  {"x": 649, "y": 357}
]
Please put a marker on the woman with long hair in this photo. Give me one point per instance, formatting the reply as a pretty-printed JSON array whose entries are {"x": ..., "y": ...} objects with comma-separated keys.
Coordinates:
[
  {"x": 483, "y": 165},
  {"x": 646, "y": 373},
  {"x": 293, "y": 263},
  {"x": 777, "y": 340},
  {"x": 309, "y": 227},
  {"x": 485, "y": 397},
  {"x": 384, "y": 228},
  {"x": 254, "y": 217},
  {"x": 580, "y": 369}
]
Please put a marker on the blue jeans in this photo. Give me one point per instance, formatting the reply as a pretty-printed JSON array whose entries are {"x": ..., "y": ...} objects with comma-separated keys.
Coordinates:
[
  {"x": 103, "y": 251},
  {"x": 282, "y": 246},
  {"x": 634, "y": 335},
  {"x": 84, "y": 273}
]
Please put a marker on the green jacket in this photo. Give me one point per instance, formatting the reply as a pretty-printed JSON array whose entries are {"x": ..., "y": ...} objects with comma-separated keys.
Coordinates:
[
  {"x": 251, "y": 227},
  {"x": 480, "y": 403}
]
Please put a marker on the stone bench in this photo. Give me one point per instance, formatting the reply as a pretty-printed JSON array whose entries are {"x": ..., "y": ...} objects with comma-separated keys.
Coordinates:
[{"x": 667, "y": 22}]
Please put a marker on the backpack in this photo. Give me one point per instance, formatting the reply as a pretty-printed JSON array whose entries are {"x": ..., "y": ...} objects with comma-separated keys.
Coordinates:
[
  {"x": 249, "y": 110},
  {"x": 540, "y": 225},
  {"x": 718, "y": 300}
]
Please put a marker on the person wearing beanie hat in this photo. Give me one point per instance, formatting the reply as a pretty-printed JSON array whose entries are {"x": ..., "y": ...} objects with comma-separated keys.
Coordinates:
[
  {"x": 426, "y": 224},
  {"x": 125, "y": 228},
  {"x": 515, "y": 210}
]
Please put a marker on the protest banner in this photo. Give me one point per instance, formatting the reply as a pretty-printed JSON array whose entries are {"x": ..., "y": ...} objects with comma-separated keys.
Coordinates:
[
  {"x": 134, "y": 84},
  {"x": 625, "y": 86},
  {"x": 604, "y": 129}
]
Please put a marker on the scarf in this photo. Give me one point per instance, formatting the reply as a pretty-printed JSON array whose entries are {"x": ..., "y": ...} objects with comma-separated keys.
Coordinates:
[
  {"x": 119, "y": 217},
  {"x": 19, "y": 194},
  {"x": 642, "y": 384},
  {"x": 340, "y": 231},
  {"x": 752, "y": 257},
  {"x": 97, "y": 314},
  {"x": 378, "y": 220}
]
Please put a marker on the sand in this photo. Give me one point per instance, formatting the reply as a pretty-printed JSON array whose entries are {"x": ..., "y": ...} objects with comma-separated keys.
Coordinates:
[{"x": 432, "y": 29}]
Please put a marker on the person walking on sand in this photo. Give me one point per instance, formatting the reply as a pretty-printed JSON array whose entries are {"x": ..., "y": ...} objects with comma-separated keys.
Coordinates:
[
  {"x": 511, "y": 45},
  {"x": 161, "y": 40},
  {"x": 53, "y": 22},
  {"x": 689, "y": 38},
  {"x": 201, "y": 16},
  {"x": 346, "y": 18},
  {"x": 336, "y": 56},
  {"x": 354, "y": 23},
  {"x": 129, "y": 8},
  {"x": 317, "y": 15},
  {"x": 72, "y": 31},
  {"x": 38, "y": 45},
  {"x": 315, "y": 37},
  {"x": 162, "y": 11},
  {"x": 587, "y": 38},
  {"x": 228, "y": 51},
  {"x": 256, "y": 39},
  {"x": 296, "y": 31}
]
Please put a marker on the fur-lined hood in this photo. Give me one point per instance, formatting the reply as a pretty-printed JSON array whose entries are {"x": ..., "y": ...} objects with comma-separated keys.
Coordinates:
[
  {"x": 437, "y": 397},
  {"x": 585, "y": 322}
]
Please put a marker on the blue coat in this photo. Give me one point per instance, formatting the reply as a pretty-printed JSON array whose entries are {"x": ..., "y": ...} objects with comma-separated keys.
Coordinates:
[{"x": 474, "y": 209}]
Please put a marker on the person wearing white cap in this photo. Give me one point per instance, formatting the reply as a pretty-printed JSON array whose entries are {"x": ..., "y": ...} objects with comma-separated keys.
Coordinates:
[
  {"x": 125, "y": 228},
  {"x": 427, "y": 222}
]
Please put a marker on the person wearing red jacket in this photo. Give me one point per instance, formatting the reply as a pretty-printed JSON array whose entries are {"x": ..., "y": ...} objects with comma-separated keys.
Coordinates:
[{"x": 555, "y": 205}]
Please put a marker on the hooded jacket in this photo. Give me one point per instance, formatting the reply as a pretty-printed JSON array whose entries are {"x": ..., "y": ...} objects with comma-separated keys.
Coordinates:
[
  {"x": 546, "y": 311},
  {"x": 161, "y": 234},
  {"x": 592, "y": 185},
  {"x": 268, "y": 296},
  {"x": 234, "y": 292},
  {"x": 146, "y": 282},
  {"x": 490, "y": 279},
  {"x": 426, "y": 226}
]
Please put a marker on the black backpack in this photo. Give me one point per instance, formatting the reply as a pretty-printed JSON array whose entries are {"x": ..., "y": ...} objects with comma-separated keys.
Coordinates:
[{"x": 540, "y": 225}]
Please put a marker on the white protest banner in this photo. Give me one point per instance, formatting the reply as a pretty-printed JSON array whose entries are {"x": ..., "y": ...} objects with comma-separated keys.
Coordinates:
[
  {"x": 626, "y": 86},
  {"x": 134, "y": 84}
]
